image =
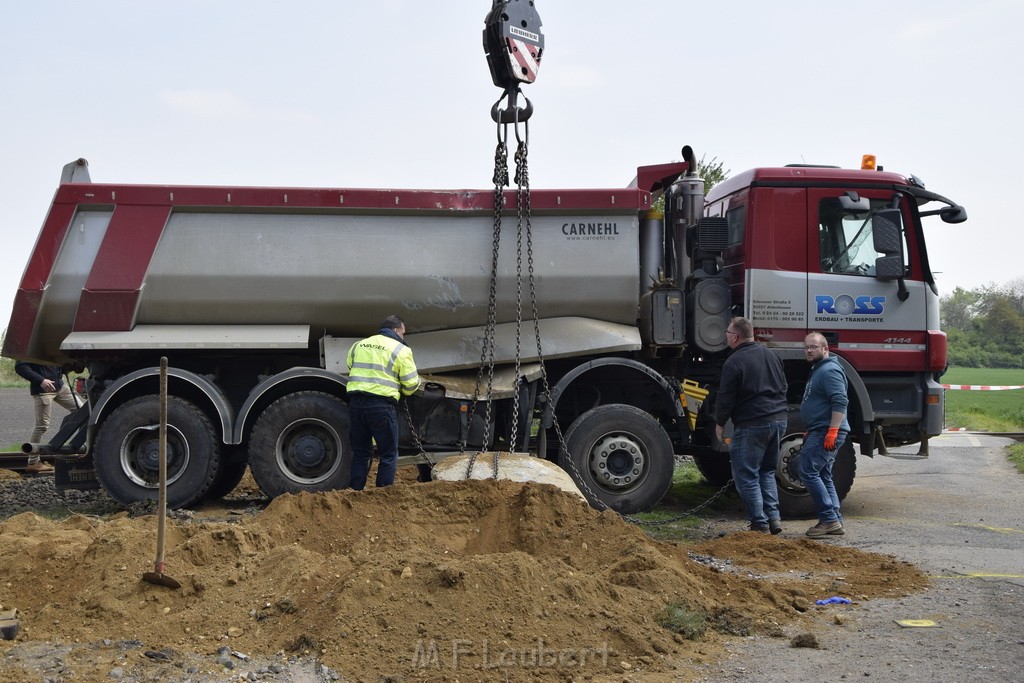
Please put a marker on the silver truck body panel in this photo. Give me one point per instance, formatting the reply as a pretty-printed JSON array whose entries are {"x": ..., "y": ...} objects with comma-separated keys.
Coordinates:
[
  {"x": 458, "y": 349},
  {"x": 345, "y": 273},
  {"x": 191, "y": 337}
]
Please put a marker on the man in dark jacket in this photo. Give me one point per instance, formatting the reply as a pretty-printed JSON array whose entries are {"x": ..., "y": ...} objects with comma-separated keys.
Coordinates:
[
  {"x": 47, "y": 387},
  {"x": 752, "y": 393},
  {"x": 824, "y": 416}
]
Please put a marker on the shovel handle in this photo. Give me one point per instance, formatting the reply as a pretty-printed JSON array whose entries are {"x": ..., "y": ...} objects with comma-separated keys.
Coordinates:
[{"x": 162, "y": 500}]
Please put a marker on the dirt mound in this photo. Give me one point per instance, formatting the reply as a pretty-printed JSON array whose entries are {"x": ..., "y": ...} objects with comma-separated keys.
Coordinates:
[
  {"x": 9, "y": 475},
  {"x": 472, "y": 580}
]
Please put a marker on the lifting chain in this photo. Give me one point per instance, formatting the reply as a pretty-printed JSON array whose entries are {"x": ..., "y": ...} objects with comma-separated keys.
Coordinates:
[
  {"x": 513, "y": 44},
  {"x": 523, "y": 196},
  {"x": 422, "y": 457},
  {"x": 689, "y": 513},
  {"x": 500, "y": 179}
]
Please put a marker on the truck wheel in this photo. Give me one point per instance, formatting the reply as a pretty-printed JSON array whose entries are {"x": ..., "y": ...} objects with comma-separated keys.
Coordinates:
[
  {"x": 713, "y": 466},
  {"x": 231, "y": 473},
  {"x": 794, "y": 501},
  {"x": 620, "y": 457},
  {"x": 300, "y": 443},
  {"x": 127, "y": 452}
]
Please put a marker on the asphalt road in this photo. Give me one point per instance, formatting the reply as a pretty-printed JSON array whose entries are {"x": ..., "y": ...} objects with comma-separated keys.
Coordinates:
[
  {"x": 958, "y": 516},
  {"x": 17, "y": 417}
]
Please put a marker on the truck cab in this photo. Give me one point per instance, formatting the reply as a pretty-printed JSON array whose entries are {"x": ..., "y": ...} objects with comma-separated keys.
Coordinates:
[{"x": 842, "y": 252}]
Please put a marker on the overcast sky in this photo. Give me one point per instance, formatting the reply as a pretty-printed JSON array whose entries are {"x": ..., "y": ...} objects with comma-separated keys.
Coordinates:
[{"x": 397, "y": 94}]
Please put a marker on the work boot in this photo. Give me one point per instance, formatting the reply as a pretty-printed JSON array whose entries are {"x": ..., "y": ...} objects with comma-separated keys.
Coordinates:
[
  {"x": 775, "y": 526},
  {"x": 759, "y": 528},
  {"x": 826, "y": 528},
  {"x": 39, "y": 467}
]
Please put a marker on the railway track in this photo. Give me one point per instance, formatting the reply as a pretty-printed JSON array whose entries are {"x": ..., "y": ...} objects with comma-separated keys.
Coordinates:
[{"x": 18, "y": 462}]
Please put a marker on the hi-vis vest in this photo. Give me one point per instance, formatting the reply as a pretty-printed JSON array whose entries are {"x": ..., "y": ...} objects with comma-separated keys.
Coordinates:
[{"x": 382, "y": 366}]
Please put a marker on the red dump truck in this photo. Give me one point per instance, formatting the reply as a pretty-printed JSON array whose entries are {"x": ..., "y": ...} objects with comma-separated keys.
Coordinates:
[{"x": 255, "y": 293}]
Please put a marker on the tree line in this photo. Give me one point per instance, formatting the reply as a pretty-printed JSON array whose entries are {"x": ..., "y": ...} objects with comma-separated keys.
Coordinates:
[{"x": 985, "y": 325}]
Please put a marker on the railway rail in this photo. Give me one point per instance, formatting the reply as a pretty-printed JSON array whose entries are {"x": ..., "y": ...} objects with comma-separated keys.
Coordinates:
[{"x": 18, "y": 462}]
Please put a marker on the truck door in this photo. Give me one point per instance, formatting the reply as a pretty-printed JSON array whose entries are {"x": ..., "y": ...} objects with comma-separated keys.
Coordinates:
[{"x": 877, "y": 324}]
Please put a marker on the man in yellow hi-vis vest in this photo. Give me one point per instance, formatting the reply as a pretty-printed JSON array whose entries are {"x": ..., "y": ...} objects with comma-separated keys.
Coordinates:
[{"x": 380, "y": 370}]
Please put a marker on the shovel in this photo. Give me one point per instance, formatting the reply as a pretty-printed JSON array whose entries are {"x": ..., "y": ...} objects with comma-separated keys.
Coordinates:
[{"x": 157, "y": 576}]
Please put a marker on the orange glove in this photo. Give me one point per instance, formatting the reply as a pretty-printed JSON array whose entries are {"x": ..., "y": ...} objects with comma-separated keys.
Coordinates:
[{"x": 830, "y": 438}]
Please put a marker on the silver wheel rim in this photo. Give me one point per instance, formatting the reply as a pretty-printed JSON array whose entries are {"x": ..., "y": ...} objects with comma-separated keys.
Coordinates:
[
  {"x": 308, "y": 451},
  {"x": 786, "y": 474},
  {"x": 140, "y": 455},
  {"x": 618, "y": 462}
]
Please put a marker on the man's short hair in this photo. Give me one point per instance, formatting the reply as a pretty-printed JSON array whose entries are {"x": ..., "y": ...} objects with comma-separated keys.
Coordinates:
[
  {"x": 744, "y": 328},
  {"x": 819, "y": 338},
  {"x": 392, "y": 322}
]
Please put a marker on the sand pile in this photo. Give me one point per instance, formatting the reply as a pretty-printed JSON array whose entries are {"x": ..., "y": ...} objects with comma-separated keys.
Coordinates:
[{"x": 478, "y": 580}]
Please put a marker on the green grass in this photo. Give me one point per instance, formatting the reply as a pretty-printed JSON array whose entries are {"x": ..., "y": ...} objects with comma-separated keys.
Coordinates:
[
  {"x": 688, "y": 490},
  {"x": 985, "y": 411},
  {"x": 8, "y": 377},
  {"x": 681, "y": 619},
  {"x": 1017, "y": 456}
]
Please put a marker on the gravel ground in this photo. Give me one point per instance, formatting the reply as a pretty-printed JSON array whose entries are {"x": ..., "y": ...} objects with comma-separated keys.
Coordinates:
[{"x": 956, "y": 515}]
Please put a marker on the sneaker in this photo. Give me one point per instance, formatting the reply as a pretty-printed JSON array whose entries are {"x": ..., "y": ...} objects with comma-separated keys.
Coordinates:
[
  {"x": 759, "y": 528},
  {"x": 775, "y": 526},
  {"x": 826, "y": 528},
  {"x": 39, "y": 468}
]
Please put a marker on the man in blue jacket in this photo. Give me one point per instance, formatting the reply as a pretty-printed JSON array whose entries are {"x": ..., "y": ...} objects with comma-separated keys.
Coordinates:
[
  {"x": 824, "y": 416},
  {"x": 752, "y": 393}
]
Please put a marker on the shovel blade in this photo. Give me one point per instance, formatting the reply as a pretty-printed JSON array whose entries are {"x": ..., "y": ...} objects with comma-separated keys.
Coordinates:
[{"x": 160, "y": 579}]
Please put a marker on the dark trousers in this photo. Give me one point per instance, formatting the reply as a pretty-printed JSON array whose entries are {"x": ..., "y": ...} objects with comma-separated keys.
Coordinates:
[
  {"x": 371, "y": 419},
  {"x": 754, "y": 454}
]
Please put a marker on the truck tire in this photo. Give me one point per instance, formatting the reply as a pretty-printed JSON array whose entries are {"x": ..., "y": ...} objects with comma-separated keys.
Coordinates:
[
  {"x": 713, "y": 465},
  {"x": 620, "y": 457},
  {"x": 127, "y": 452},
  {"x": 300, "y": 443},
  {"x": 794, "y": 501},
  {"x": 231, "y": 473}
]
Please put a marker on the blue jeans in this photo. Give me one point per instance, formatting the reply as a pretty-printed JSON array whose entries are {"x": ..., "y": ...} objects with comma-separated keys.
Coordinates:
[
  {"x": 376, "y": 419},
  {"x": 815, "y": 471},
  {"x": 754, "y": 454}
]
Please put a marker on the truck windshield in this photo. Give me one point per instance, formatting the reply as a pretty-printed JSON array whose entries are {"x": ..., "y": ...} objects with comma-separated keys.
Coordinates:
[{"x": 845, "y": 239}]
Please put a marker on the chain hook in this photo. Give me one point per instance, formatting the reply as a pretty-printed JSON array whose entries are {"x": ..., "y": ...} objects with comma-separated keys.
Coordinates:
[{"x": 513, "y": 112}]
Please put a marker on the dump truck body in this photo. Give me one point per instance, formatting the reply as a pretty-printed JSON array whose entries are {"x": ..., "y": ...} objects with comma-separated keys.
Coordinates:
[{"x": 255, "y": 295}]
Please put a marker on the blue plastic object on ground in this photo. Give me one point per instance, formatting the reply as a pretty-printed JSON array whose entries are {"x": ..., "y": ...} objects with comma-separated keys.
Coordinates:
[{"x": 835, "y": 600}]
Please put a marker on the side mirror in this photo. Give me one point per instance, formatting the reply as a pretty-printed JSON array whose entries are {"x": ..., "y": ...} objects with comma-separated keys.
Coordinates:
[
  {"x": 954, "y": 214},
  {"x": 888, "y": 267},
  {"x": 888, "y": 241}
]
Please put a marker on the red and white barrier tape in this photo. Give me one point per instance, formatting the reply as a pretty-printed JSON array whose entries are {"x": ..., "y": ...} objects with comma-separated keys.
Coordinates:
[{"x": 980, "y": 387}]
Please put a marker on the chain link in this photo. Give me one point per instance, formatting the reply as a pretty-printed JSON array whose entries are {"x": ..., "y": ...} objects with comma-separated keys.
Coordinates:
[
  {"x": 524, "y": 219},
  {"x": 500, "y": 179},
  {"x": 689, "y": 513},
  {"x": 424, "y": 458}
]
